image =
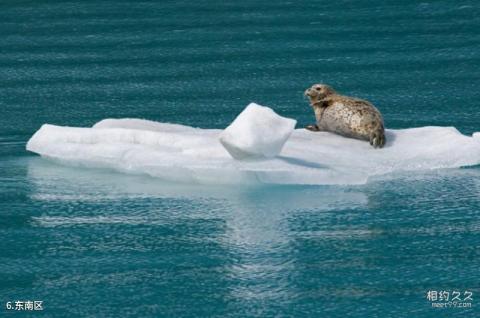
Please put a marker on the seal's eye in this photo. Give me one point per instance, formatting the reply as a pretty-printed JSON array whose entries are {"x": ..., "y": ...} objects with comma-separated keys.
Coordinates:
[{"x": 318, "y": 88}]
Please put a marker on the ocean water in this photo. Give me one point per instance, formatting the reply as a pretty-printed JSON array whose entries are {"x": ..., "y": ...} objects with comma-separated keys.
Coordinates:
[{"x": 96, "y": 243}]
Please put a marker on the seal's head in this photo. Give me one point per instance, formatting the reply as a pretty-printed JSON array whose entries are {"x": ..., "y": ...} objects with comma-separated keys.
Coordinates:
[{"x": 318, "y": 92}]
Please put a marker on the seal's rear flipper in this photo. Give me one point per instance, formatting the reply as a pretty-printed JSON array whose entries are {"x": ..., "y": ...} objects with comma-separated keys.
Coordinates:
[{"x": 377, "y": 138}]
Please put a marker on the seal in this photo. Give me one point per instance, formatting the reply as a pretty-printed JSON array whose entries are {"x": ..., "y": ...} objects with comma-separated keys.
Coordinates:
[{"x": 346, "y": 116}]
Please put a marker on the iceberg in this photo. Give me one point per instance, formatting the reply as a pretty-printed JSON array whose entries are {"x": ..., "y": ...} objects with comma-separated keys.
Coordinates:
[
  {"x": 258, "y": 132},
  {"x": 192, "y": 155}
]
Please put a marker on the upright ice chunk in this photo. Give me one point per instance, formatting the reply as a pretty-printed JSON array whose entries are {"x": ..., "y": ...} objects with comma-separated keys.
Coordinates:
[{"x": 258, "y": 132}]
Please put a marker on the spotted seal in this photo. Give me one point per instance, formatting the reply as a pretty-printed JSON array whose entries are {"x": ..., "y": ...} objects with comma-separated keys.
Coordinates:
[{"x": 346, "y": 116}]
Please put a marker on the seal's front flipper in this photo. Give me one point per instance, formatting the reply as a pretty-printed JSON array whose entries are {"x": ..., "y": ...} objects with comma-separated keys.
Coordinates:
[{"x": 312, "y": 128}]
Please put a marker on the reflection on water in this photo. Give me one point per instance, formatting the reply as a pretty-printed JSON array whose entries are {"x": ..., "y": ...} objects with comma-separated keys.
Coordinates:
[
  {"x": 52, "y": 182},
  {"x": 293, "y": 245},
  {"x": 254, "y": 220}
]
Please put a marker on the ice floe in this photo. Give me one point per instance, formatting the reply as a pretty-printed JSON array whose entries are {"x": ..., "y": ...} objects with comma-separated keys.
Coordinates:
[{"x": 186, "y": 154}]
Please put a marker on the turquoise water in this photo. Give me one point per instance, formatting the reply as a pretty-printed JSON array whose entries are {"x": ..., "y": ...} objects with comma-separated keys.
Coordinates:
[{"x": 99, "y": 243}]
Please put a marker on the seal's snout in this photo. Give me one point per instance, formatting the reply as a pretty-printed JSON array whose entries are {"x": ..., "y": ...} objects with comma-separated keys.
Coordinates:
[{"x": 311, "y": 92}]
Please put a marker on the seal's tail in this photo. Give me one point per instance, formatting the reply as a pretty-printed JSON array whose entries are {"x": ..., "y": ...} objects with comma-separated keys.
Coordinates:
[{"x": 377, "y": 137}]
